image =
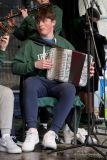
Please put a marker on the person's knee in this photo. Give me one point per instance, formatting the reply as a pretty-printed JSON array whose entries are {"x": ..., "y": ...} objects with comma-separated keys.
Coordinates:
[
  {"x": 69, "y": 88},
  {"x": 31, "y": 83},
  {"x": 27, "y": 82},
  {"x": 7, "y": 92}
]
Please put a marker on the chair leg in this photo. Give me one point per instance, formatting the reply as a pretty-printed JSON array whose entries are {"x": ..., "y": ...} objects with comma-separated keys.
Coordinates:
[
  {"x": 71, "y": 120},
  {"x": 75, "y": 125}
]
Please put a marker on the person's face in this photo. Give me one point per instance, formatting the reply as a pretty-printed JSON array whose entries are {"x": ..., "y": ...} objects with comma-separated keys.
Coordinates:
[
  {"x": 45, "y": 27},
  {"x": 42, "y": 1}
]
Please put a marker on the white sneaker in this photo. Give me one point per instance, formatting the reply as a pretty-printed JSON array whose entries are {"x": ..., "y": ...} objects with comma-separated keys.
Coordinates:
[
  {"x": 81, "y": 136},
  {"x": 32, "y": 138},
  {"x": 68, "y": 135},
  {"x": 91, "y": 140},
  {"x": 49, "y": 140},
  {"x": 8, "y": 145}
]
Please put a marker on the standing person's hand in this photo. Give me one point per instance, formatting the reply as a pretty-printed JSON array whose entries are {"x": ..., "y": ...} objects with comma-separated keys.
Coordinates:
[
  {"x": 11, "y": 22},
  {"x": 24, "y": 12}
]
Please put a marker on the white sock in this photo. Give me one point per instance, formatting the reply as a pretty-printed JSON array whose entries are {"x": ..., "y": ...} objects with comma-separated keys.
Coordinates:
[
  {"x": 5, "y": 132},
  {"x": 44, "y": 125},
  {"x": 5, "y": 135}
]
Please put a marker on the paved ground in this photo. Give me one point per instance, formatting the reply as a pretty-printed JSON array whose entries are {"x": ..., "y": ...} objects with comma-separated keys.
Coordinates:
[
  {"x": 71, "y": 154},
  {"x": 81, "y": 153}
]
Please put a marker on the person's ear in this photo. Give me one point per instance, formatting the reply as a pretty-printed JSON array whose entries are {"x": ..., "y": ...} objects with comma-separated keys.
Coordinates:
[{"x": 54, "y": 22}]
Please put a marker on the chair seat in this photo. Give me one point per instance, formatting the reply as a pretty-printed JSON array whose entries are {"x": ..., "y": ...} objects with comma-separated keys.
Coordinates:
[
  {"x": 47, "y": 101},
  {"x": 50, "y": 102}
]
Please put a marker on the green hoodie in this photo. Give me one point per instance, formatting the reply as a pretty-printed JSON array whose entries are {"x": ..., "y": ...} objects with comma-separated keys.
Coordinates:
[
  {"x": 2, "y": 56},
  {"x": 30, "y": 51},
  {"x": 27, "y": 28}
]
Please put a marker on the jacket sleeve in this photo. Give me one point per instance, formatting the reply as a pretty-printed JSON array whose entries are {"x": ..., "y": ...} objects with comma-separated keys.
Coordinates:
[
  {"x": 2, "y": 57},
  {"x": 26, "y": 28},
  {"x": 20, "y": 32},
  {"x": 23, "y": 63},
  {"x": 58, "y": 13}
]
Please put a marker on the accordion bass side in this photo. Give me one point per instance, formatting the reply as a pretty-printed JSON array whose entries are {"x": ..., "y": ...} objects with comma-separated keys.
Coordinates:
[{"x": 68, "y": 66}]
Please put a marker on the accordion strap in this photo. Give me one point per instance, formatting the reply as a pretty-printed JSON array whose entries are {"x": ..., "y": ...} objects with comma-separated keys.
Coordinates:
[{"x": 41, "y": 41}]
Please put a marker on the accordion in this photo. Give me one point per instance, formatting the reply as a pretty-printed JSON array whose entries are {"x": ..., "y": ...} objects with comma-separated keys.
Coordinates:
[{"x": 68, "y": 66}]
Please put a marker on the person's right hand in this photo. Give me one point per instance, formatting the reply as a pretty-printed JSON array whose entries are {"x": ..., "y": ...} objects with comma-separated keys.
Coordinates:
[
  {"x": 4, "y": 40},
  {"x": 11, "y": 22},
  {"x": 43, "y": 64}
]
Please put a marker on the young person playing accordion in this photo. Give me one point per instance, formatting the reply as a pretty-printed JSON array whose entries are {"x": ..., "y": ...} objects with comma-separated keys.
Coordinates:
[{"x": 29, "y": 62}]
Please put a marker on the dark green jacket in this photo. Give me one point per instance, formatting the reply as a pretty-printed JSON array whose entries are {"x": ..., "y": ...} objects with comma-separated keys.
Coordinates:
[
  {"x": 2, "y": 56},
  {"x": 30, "y": 51},
  {"x": 27, "y": 28}
]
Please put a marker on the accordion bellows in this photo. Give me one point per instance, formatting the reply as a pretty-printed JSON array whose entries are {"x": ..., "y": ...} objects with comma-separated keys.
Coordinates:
[{"x": 68, "y": 66}]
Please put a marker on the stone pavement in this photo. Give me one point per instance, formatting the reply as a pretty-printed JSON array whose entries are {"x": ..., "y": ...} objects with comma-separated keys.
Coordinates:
[
  {"x": 80, "y": 153},
  {"x": 83, "y": 153}
]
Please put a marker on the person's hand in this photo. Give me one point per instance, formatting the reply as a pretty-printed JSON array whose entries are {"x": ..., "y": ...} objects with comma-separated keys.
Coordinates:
[
  {"x": 11, "y": 22},
  {"x": 4, "y": 40},
  {"x": 92, "y": 69},
  {"x": 43, "y": 64},
  {"x": 24, "y": 12}
]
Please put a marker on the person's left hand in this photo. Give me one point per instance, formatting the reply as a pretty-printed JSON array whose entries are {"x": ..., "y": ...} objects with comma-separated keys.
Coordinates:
[{"x": 24, "y": 12}]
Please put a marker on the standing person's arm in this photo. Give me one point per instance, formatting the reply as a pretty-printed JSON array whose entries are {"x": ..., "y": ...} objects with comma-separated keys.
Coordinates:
[
  {"x": 21, "y": 31},
  {"x": 58, "y": 13}
]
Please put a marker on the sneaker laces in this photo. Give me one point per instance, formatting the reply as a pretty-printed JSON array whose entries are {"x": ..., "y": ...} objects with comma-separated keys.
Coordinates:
[
  {"x": 14, "y": 139},
  {"x": 9, "y": 141},
  {"x": 57, "y": 138},
  {"x": 53, "y": 135},
  {"x": 29, "y": 136}
]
